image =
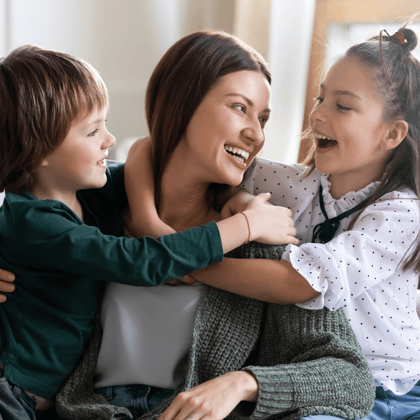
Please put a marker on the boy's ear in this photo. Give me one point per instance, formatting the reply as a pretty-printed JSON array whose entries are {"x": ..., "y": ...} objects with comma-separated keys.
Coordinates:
[{"x": 396, "y": 133}]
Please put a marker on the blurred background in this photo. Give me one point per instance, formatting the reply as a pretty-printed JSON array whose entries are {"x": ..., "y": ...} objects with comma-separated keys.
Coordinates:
[{"x": 125, "y": 39}]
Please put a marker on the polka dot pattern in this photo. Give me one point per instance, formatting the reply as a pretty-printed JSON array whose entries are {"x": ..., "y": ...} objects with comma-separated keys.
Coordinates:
[{"x": 359, "y": 269}]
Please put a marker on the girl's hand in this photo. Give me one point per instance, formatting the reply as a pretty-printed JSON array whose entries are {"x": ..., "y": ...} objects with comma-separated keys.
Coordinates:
[
  {"x": 214, "y": 399},
  {"x": 237, "y": 203},
  {"x": 272, "y": 225},
  {"x": 6, "y": 279}
]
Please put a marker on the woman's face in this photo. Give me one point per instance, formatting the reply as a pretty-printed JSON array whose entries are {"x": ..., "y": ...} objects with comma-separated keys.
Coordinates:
[{"x": 228, "y": 128}]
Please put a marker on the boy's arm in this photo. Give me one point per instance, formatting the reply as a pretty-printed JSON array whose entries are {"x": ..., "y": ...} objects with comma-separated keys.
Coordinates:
[{"x": 141, "y": 217}]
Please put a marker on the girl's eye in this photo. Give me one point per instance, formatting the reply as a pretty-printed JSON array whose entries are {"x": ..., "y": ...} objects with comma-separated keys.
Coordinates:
[
  {"x": 239, "y": 107},
  {"x": 93, "y": 132},
  {"x": 319, "y": 99},
  {"x": 343, "y": 108}
]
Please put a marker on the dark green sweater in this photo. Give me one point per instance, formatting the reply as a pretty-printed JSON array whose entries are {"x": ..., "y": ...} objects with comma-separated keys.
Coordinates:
[
  {"x": 306, "y": 362},
  {"x": 61, "y": 265}
]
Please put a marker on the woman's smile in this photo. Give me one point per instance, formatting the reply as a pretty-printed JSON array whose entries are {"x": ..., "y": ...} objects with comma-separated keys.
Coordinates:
[{"x": 227, "y": 130}]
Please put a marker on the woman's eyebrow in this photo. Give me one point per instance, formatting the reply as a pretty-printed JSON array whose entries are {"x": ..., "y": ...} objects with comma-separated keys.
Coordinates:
[{"x": 247, "y": 100}]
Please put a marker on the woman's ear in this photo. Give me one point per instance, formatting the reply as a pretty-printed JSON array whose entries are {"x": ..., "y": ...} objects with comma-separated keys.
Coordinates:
[
  {"x": 396, "y": 133},
  {"x": 44, "y": 163}
]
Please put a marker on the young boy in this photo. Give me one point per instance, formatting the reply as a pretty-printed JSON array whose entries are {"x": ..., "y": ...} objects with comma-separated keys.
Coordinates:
[{"x": 59, "y": 224}]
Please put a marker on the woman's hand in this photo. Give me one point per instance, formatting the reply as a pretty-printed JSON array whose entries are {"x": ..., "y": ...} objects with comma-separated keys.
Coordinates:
[
  {"x": 6, "y": 279},
  {"x": 272, "y": 225},
  {"x": 214, "y": 399}
]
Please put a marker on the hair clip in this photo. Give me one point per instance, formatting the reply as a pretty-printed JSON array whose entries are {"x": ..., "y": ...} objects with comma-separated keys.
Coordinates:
[{"x": 398, "y": 37}]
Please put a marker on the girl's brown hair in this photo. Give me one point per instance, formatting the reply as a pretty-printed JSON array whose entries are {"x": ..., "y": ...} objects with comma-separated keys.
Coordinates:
[
  {"x": 183, "y": 76},
  {"x": 42, "y": 93},
  {"x": 396, "y": 72}
]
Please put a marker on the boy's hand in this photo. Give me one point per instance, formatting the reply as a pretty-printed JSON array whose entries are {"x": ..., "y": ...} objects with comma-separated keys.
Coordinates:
[
  {"x": 6, "y": 280},
  {"x": 237, "y": 203},
  {"x": 272, "y": 225}
]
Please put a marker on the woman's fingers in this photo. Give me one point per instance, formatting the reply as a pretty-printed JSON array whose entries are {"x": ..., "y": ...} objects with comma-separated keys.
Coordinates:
[{"x": 6, "y": 285}]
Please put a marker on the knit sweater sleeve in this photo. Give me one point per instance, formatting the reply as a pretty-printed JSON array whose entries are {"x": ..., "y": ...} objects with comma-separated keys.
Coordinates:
[{"x": 308, "y": 362}]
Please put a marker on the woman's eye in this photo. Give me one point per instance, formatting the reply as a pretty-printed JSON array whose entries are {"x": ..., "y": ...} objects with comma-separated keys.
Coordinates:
[
  {"x": 263, "y": 121},
  {"x": 239, "y": 107},
  {"x": 93, "y": 132}
]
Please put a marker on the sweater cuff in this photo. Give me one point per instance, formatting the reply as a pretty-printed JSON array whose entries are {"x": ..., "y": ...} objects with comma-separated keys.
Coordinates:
[{"x": 276, "y": 392}]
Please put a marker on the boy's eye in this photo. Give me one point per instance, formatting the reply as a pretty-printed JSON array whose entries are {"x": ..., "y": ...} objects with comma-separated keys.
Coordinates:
[{"x": 93, "y": 132}]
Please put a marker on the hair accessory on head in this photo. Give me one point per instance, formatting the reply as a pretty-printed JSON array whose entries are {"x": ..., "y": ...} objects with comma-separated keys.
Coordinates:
[{"x": 398, "y": 37}]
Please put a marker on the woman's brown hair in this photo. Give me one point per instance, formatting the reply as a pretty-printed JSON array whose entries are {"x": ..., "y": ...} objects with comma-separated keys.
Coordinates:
[
  {"x": 42, "y": 93},
  {"x": 183, "y": 76}
]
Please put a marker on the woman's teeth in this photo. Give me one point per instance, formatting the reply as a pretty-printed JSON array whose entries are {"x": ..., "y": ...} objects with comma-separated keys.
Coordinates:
[{"x": 239, "y": 154}]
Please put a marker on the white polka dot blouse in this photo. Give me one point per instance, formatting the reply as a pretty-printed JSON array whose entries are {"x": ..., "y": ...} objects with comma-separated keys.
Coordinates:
[{"x": 358, "y": 269}]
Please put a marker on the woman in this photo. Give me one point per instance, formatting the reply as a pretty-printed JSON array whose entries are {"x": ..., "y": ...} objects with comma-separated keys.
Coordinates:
[{"x": 207, "y": 104}]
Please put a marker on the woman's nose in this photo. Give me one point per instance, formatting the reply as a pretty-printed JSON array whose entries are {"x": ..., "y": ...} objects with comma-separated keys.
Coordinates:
[{"x": 254, "y": 132}]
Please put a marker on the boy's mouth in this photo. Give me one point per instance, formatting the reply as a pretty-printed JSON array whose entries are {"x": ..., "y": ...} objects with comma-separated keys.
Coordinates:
[
  {"x": 323, "y": 142},
  {"x": 239, "y": 154}
]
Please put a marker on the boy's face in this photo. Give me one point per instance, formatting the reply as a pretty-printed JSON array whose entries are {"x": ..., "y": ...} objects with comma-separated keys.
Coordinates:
[{"x": 79, "y": 162}]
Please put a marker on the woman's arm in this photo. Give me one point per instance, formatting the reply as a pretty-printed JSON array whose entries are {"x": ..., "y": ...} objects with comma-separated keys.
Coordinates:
[
  {"x": 6, "y": 280},
  {"x": 141, "y": 217}
]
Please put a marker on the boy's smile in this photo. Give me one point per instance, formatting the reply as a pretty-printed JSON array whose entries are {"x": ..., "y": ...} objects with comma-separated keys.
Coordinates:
[{"x": 80, "y": 160}]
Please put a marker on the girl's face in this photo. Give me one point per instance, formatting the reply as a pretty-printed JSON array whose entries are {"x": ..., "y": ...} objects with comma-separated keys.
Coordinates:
[
  {"x": 348, "y": 126},
  {"x": 228, "y": 128}
]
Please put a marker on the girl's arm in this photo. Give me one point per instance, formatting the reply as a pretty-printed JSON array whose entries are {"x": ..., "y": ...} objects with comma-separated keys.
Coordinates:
[
  {"x": 6, "y": 280},
  {"x": 266, "y": 280}
]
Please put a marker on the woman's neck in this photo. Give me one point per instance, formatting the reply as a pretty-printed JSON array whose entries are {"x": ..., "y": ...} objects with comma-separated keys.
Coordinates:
[{"x": 184, "y": 200}]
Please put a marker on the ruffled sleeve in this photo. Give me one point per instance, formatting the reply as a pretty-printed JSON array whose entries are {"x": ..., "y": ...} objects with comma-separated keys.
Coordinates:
[{"x": 356, "y": 260}]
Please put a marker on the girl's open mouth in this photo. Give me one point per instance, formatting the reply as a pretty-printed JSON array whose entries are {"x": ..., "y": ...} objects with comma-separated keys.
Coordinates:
[{"x": 323, "y": 142}]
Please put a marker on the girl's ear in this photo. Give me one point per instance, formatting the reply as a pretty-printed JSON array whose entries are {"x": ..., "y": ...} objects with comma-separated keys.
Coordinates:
[
  {"x": 396, "y": 134},
  {"x": 44, "y": 163}
]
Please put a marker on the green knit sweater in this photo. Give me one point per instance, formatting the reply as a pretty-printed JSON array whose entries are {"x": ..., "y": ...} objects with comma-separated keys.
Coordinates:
[{"x": 306, "y": 362}]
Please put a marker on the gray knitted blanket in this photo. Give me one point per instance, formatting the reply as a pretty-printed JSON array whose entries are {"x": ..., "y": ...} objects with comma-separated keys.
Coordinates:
[{"x": 307, "y": 362}]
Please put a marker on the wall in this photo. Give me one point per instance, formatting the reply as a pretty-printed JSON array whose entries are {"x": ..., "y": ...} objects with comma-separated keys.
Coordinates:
[{"x": 125, "y": 40}]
